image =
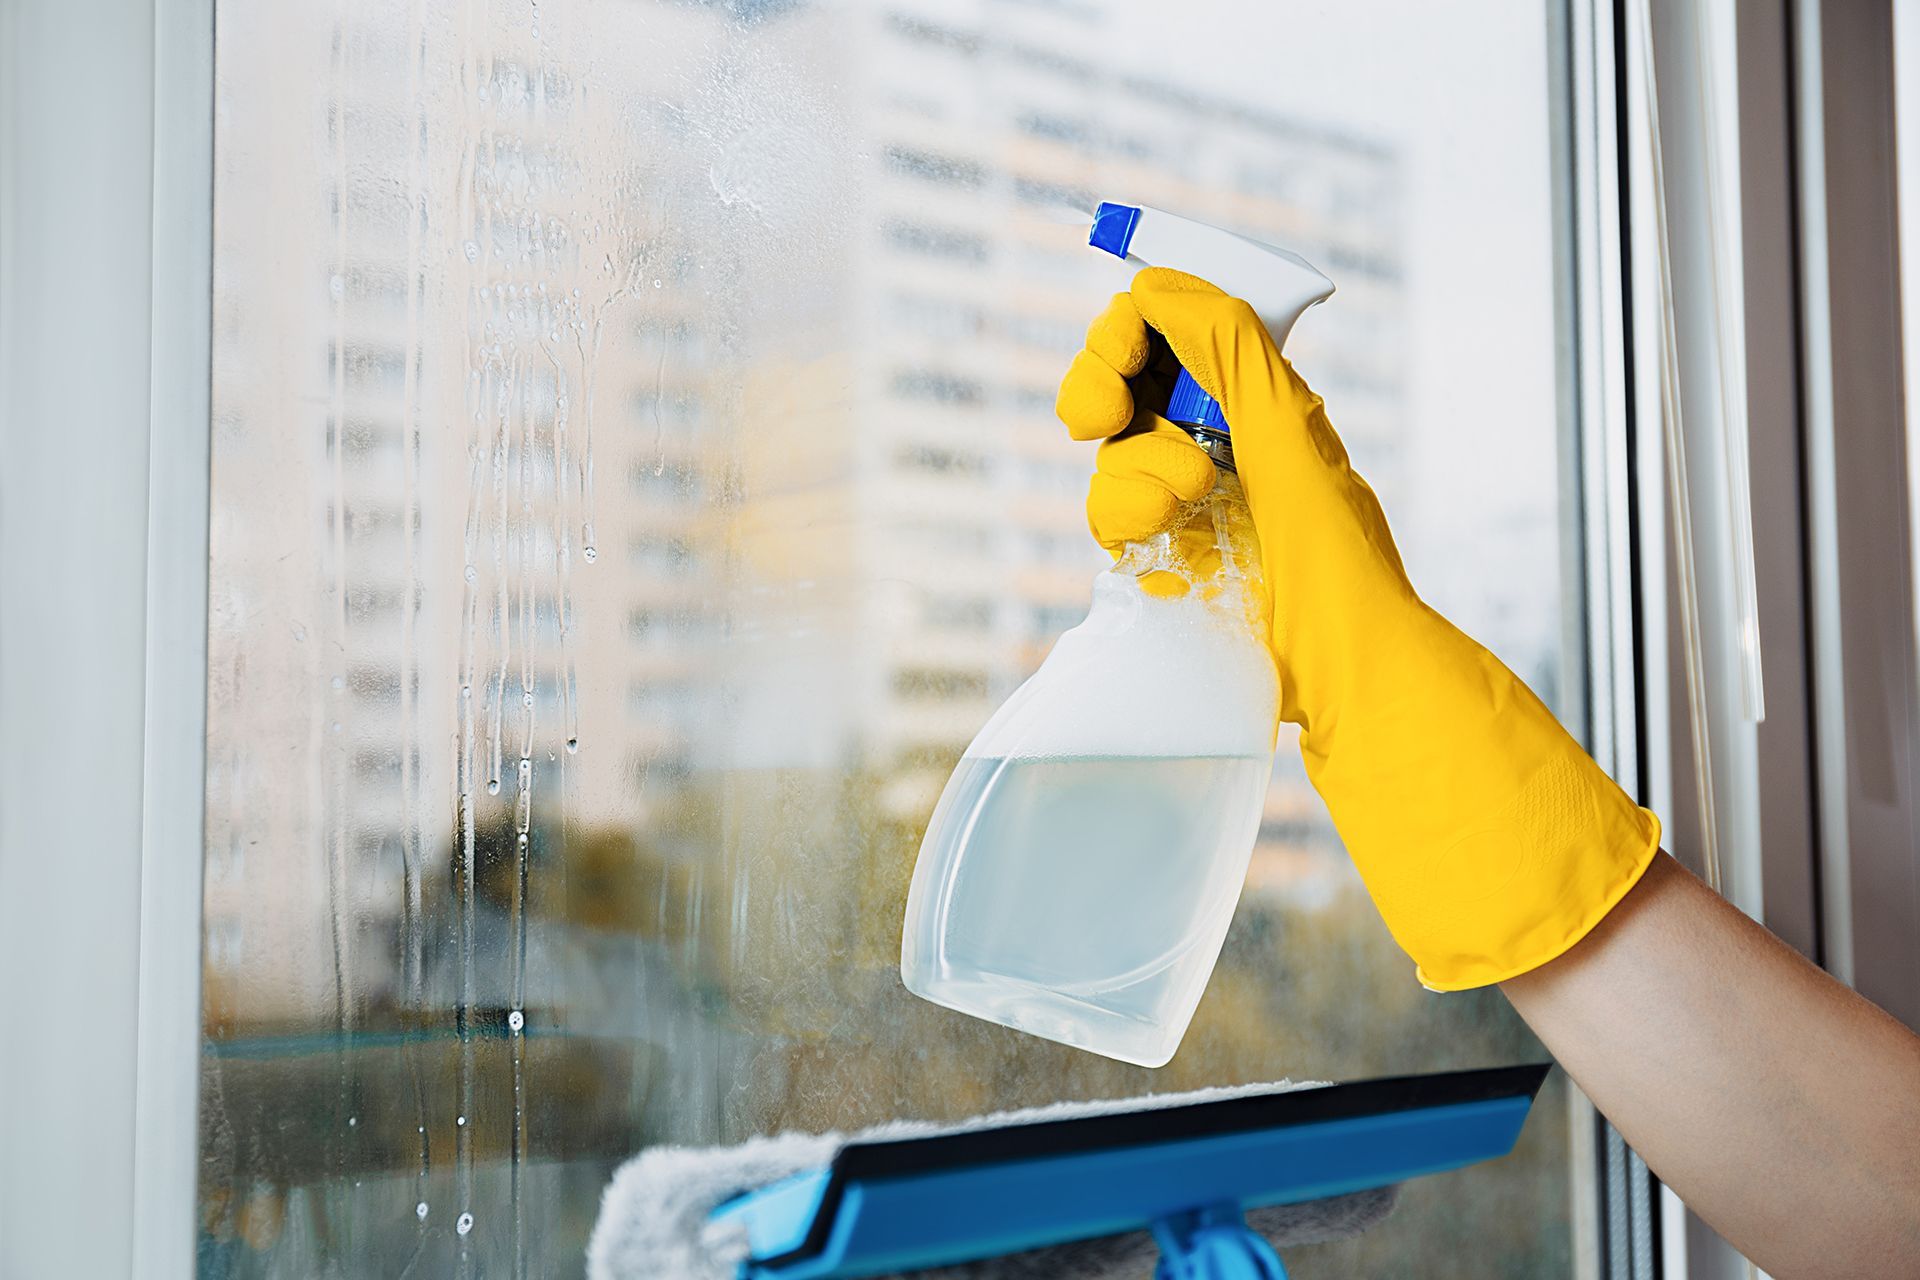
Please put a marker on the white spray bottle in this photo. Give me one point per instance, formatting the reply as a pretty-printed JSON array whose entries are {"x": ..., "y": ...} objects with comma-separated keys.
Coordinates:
[{"x": 1078, "y": 875}]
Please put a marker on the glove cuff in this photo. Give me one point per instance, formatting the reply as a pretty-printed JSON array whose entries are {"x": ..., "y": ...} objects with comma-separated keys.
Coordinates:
[{"x": 1554, "y": 902}]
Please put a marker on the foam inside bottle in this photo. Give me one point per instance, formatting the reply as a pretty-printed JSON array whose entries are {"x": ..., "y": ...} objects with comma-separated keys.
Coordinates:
[{"x": 1083, "y": 863}]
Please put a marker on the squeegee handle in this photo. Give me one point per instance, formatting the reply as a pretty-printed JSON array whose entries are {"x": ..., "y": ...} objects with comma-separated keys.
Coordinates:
[{"x": 1214, "y": 1244}]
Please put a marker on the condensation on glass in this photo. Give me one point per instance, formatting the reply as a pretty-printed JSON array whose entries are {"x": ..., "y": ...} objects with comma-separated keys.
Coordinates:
[{"x": 634, "y": 482}]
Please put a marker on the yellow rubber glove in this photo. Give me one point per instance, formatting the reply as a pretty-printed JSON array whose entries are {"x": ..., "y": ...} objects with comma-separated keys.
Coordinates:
[
  {"x": 1488, "y": 838},
  {"x": 1149, "y": 468}
]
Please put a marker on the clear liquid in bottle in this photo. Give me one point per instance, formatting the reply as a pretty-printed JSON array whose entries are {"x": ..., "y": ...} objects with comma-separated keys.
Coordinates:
[{"x": 1081, "y": 868}]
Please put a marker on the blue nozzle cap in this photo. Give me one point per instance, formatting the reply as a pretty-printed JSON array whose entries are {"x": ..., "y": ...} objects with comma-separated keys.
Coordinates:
[
  {"x": 1113, "y": 227},
  {"x": 1191, "y": 406}
]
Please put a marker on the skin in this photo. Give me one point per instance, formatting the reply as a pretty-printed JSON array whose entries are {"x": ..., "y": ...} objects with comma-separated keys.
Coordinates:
[{"x": 1781, "y": 1106}]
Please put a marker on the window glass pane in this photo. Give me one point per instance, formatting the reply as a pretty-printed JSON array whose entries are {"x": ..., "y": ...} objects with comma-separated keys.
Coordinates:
[{"x": 635, "y": 480}]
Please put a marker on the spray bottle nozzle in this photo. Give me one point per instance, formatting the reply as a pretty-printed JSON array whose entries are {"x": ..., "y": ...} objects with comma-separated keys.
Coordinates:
[{"x": 1113, "y": 226}]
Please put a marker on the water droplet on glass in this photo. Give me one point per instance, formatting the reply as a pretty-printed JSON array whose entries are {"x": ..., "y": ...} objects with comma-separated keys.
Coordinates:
[
  {"x": 339, "y": 682},
  {"x": 656, "y": 284},
  {"x": 516, "y": 1020},
  {"x": 493, "y": 786},
  {"x": 420, "y": 1211},
  {"x": 526, "y": 699},
  {"x": 589, "y": 554},
  {"x": 336, "y": 726},
  {"x": 573, "y": 745},
  {"x": 465, "y": 1223},
  {"x": 466, "y": 691},
  {"x": 472, "y": 573},
  {"x": 353, "y": 1122},
  {"x": 472, "y": 250},
  {"x": 337, "y": 286},
  {"x": 460, "y": 1120}
]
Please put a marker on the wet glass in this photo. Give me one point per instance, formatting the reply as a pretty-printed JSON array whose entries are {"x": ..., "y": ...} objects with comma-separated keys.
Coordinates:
[{"x": 635, "y": 481}]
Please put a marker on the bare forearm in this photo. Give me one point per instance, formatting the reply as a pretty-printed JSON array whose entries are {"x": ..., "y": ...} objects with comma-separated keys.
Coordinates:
[{"x": 1782, "y": 1107}]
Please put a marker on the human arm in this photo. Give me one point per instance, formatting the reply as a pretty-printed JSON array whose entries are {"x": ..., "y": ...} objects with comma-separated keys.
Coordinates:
[
  {"x": 1780, "y": 1105},
  {"x": 1494, "y": 848}
]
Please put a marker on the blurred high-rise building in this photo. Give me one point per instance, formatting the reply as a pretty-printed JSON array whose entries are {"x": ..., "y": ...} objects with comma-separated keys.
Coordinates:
[{"x": 536, "y": 447}]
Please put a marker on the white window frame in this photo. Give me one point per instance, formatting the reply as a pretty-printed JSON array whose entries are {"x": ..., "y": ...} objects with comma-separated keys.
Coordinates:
[
  {"x": 106, "y": 221},
  {"x": 1799, "y": 95},
  {"x": 1866, "y": 685}
]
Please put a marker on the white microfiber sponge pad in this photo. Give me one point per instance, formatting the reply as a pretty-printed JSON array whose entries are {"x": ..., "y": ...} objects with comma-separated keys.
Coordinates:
[{"x": 653, "y": 1217}]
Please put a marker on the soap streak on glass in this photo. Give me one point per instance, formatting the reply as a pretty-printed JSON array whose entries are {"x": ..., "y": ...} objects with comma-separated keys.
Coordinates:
[
  {"x": 338, "y": 910},
  {"x": 412, "y": 798}
]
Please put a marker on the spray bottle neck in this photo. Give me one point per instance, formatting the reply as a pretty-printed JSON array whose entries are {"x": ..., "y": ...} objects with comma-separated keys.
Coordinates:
[
  {"x": 1217, "y": 444},
  {"x": 1198, "y": 414}
]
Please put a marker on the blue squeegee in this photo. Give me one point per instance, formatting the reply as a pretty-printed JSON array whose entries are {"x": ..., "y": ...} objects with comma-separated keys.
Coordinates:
[{"x": 1188, "y": 1174}]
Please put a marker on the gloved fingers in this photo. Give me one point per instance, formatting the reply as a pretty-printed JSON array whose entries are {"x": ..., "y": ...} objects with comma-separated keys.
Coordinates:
[
  {"x": 1123, "y": 509},
  {"x": 1164, "y": 584},
  {"x": 1198, "y": 549},
  {"x": 1119, "y": 336},
  {"x": 1199, "y": 559},
  {"x": 1094, "y": 401},
  {"x": 1163, "y": 455}
]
